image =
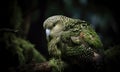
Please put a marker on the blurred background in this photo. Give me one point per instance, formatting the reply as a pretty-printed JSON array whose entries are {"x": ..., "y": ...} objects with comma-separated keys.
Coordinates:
[{"x": 103, "y": 15}]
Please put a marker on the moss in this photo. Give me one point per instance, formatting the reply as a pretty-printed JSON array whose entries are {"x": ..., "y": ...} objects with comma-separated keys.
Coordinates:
[
  {"x": 38, "y": 57},
  {"x": 24, "y": 50},
  {"x": 16, "y": 16},
  {"x": 113, "y": 53},
  {"x": 57, "y": 65}
]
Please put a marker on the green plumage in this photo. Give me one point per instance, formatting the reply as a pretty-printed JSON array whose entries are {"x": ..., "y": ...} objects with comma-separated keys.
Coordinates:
[{"x": 71, "y": 38}]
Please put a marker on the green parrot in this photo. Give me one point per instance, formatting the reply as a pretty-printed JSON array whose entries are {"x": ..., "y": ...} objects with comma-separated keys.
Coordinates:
[{"x": 72, "y": 40}]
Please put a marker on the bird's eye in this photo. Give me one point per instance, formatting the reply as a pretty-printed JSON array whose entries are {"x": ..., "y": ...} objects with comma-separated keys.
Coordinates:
[
  {"x": 55, "y": 23},
  {"x": 83, "y": 25}
]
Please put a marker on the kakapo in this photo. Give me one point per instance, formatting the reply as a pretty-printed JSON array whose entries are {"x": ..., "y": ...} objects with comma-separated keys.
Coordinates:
[{"x": 71, "y": 38}]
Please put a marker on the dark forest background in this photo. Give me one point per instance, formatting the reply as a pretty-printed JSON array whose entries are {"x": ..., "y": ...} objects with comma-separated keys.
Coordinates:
[{"x": 103, "y": 15}]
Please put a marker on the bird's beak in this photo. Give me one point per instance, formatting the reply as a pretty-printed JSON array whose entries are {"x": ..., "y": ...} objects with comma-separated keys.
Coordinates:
[{"x": 47, "y": 32}]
